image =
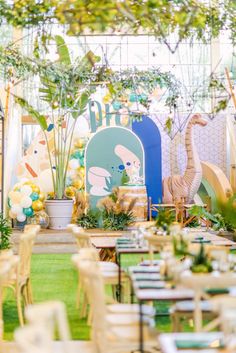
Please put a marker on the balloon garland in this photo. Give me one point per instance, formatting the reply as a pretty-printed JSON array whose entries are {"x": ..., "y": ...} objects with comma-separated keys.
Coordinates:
[
  {"x": 25, "y": 200},
  {"x": 76, "y": 170}
]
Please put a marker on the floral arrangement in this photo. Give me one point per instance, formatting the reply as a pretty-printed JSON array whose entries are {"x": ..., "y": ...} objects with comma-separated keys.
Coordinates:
[{"x": 116, "y": 214}]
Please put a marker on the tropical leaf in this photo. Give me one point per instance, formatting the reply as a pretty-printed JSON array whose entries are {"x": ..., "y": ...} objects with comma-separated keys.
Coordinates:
[
  {"x": 38, "y": 117},
  {"x": 62, "y": 50},
  {"x": 89, "y": 60}
]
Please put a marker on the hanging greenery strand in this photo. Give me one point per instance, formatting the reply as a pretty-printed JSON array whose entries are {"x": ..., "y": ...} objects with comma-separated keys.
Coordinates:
[{"x": 186, "y": 18}]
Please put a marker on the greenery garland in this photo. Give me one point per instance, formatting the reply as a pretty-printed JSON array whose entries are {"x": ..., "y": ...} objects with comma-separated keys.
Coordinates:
[
  {"x": 14, "y": 65},
  {"x": 186, "y": 18}
]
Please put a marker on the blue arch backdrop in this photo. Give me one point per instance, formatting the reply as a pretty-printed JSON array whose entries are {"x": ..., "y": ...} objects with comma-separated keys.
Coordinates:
[{"x": 150, "y": 137}]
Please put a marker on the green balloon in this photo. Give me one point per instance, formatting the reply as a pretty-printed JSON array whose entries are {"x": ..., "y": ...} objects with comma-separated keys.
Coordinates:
[{"x": 28, "y": 211}]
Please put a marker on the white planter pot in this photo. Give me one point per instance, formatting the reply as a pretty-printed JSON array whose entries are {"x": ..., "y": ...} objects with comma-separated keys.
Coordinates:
[{"x": 59, "y": 212}]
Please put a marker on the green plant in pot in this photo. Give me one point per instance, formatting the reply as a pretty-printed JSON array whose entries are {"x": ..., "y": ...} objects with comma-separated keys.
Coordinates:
[
  {"x": 5, "y": 233},
  {"x": 89, "y": 219},
  {"x": 164, "y": 219},
  {"x": 180, "y": 245},
  {"x": 65, "y": 89},
  {"x": 201, "y": 262},
  {"x": 221, "y": 220}
]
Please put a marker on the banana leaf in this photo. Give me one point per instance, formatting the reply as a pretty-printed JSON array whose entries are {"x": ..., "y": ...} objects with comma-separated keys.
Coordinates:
[
  {"x": 41, "y": 119},
  {"x": 62, "y": 50}
]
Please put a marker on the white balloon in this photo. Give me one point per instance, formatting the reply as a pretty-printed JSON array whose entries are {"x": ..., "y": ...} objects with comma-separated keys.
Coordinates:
[
  {"x": 26, "y": 190},
  {"x": 73, "y": 163},
  {"x": 26, "y": 202},
  {"x": 17, "y": 186},
  {"x": 72, "y": 173},
  {"x": 24, "y": 180},
  {"x": 21, "y": 217},
  {"x": 82, "y": 127},
  {"x": 16, "y": 209}
]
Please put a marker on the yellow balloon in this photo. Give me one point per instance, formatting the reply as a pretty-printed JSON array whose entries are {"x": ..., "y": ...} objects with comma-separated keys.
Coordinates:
[
  {"x": 70, "y": 191},
  {"x": 79, "y": 143},
  {"x": 37, "y": 205},
  {"x": 42, "y": 196},
  {"x": 35, "y": 188},
  {"x": 78, "y": 183},
  {"x": 107, "y": 98},
  {"x": 81, "y": 171},
  {"x": 51, "y": 195},
  {"x": 28, "y": 183}
]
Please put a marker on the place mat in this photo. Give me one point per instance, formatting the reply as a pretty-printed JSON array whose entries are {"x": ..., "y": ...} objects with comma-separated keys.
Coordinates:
[
  {"x": 124, "y": 240},
  {"x": 148, "y": 262},
  {"x": 144, "y": 269},
  {"x": 126, "y": 246},
  {"x": 147, "y": 277},
  {"x": 151, "y": 285},
  {"x": 201, "y": 241},
  {"x": 217, "y": 291},
  {"x": 199, "y": 344}
]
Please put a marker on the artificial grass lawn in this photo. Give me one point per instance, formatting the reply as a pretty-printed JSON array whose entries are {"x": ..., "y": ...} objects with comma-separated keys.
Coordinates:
[{"x": 54, "y": 278}]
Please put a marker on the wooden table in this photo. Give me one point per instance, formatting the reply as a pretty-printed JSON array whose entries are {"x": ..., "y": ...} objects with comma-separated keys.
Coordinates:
[
  {"x": 106, "y": 246},
  {"x": 108, "y": 239},
  {"x": 163, "y": 293},
  {"x": 106, "y": 233},
  {"x": 215, "y": 239},
  {"x": 143, "y": 295},
  {"x": 106, "y": 243}
]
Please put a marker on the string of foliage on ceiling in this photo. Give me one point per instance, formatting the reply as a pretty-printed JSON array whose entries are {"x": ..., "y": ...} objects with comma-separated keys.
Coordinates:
[
  {"x": 186, "y": 18},
  {"x": 62, "y": 82}
]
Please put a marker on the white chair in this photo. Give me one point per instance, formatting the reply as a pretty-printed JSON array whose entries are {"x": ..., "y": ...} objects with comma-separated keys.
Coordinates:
[
  {"x": 45, "y": 321},
  {"x": 156, "y": 243},
  {"x": 20, "y": 281},
  {"x": 7, "y": 266},
  {"x": 200, "y": 283},
  {"x": 112, "y": 332},
  {"x": 51, "y": 315},
  {"x": 33, "y": 339},
  {"x": 109, "y": 270},
  {"x": 88, "y": 254}
]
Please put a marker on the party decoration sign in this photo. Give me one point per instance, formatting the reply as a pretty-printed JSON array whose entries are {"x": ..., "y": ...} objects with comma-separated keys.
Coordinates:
[{"x": 114, "y": 156}]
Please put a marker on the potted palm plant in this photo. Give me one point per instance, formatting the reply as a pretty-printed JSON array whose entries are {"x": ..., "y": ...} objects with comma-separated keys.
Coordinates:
[{"x": 66, "y": 88}]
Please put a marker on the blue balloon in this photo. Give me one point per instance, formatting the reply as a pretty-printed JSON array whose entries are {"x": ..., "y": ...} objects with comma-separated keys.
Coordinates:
[
  {"x": 28, "y": 211},
  {"x": 50, "y": 127},
  {"x": 34, "y": 196},
  {"x": 143, "y": 97},
  {"x": 133, "y": 97},
  {"x": 116, "y": 105}
]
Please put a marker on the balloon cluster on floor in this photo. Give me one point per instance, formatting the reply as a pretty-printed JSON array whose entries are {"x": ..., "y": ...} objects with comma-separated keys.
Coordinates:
[{"x": 25, "y": 201}]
